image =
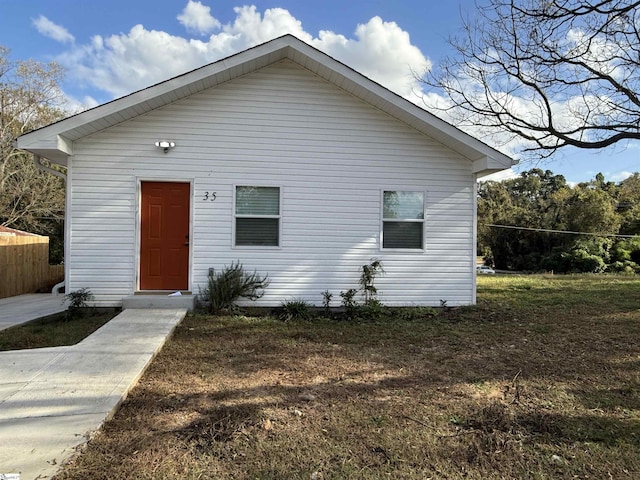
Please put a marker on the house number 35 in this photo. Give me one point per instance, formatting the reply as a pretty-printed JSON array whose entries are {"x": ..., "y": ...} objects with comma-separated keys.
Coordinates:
[{"x": 209, "y": 197}]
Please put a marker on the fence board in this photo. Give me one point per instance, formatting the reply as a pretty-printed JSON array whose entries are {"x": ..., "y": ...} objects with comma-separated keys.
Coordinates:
[{"x": 24, "y": 265}]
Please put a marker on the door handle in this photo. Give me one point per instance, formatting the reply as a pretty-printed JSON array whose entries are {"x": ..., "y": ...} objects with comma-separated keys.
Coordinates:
[{"x": 187, "y": 238}]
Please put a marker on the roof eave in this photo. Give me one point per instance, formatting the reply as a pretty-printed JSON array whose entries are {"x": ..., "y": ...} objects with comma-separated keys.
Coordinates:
[
  {"x": 490, "y": 164},
  {"x": 55, "y": 141},
  {"x": 55, "y": 148}
]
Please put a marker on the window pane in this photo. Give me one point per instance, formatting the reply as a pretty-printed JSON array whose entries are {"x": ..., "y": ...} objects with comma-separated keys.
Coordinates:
[
  {"x": 402, "y": 235},
  {"x": 258, "y": 200},
  {"x": 257, "y": 231},
  {"x": 403, "y": 205}
]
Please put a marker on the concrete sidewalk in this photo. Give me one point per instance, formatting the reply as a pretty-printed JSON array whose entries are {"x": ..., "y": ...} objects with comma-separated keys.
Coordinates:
[
  {"x": 53, "y": 399},
  {"x": 24, "y": 308}
]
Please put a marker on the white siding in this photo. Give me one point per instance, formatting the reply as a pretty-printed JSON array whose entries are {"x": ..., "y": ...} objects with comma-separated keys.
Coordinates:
[{"x": 330, "y": 154}]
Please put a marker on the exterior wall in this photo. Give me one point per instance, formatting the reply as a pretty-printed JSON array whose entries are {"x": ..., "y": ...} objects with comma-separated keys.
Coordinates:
[{"x": 332, "y": 156}]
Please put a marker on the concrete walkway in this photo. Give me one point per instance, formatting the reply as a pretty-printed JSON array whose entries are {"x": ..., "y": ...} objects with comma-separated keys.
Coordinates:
[
  {"x": 23, "y": 308},
  {"x": 53, "y": 399}
]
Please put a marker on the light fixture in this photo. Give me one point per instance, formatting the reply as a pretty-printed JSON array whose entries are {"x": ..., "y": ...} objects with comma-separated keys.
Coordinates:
[{"x": 165, "y": 145}]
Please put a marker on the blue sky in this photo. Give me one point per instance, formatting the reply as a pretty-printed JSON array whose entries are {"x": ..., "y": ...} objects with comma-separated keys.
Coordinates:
[{"x": 112, "y": 47}]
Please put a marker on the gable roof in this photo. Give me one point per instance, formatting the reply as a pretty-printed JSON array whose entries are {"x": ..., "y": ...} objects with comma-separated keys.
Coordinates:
[{"x": 55, "y": 141}]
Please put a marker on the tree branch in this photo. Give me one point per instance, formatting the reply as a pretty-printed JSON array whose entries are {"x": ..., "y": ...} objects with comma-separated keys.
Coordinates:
[{"x": 553, "y": 74}]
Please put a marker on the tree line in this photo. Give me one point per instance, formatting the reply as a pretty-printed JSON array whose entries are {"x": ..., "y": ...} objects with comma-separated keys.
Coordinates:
[{"x": 539, "y": 222}]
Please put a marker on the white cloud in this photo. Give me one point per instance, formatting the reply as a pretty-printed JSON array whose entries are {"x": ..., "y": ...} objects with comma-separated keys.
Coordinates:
[
  {"x": 121, "y": 63},
  {"x": 382, "y": 51},
  {"x": 197, "y": 18},
  {"x": 618, "y": 176},
  {"x": 49, "y": 29},
  {"x": 74, "y": 105},
  {"x": 250, "y": 28},
  {"x": 508, "y": 174}
]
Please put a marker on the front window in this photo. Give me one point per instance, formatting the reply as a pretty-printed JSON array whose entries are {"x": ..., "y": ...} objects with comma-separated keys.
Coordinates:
[
  {"x": 403, "y": 219},
  {"x": 257, "y": 216}
]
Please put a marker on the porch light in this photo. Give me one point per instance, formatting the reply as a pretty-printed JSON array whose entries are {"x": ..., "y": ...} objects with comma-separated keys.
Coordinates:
[{"x": 165, "y": 145}]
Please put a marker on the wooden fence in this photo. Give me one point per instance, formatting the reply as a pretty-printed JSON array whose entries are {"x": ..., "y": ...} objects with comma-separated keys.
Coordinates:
[{"x": 24, "y": 265}]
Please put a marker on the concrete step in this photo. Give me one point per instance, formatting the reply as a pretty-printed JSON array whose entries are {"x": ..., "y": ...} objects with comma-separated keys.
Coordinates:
[{"x": 159, "y": 301}]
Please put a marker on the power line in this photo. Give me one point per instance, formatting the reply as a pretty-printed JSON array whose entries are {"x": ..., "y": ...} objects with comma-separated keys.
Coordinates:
[{"x": 547, "y": 230}]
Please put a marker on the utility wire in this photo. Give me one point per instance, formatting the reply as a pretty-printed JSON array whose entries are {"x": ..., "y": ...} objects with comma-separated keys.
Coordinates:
[{"x": 547, "y": 230}]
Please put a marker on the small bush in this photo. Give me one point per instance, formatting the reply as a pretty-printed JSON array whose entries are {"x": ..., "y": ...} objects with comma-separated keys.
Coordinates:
[
  {"x": 367, "y": 279},
  {"x": 372, "y": 310},
  {"x": 326, "y": 302},
  {"x": 349, "y": 301},
  {"x": 583, "y": 261},
  {"x": 78, "y": 301},
  {"x": 232, "y": 283},
  {"x": 295, "y": 309}
]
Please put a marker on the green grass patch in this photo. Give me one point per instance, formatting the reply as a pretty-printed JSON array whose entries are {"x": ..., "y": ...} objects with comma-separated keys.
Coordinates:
[{"x": 55, "y": 330}]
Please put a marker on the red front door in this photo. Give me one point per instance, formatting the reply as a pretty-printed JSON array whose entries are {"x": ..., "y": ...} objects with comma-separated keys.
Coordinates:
[{"x": 164, "y": 236}]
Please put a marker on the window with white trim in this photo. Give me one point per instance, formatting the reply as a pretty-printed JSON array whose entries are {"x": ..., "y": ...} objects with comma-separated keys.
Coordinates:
[
  {"x": 257, "y": 216},
  {"x": 403, "y": 219}
]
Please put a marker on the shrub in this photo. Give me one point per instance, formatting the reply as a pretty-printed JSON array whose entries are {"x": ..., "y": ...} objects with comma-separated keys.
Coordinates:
[
  {"x": 232, "y": 283},
  {"x": 372, "y": 310},
  {"x": 624, "y": 267},
  {"x": 371, "y": 307},
  {"x": 574, "y": 261},
  {"x": 367, "y": 279},
  {"x": 77, "y": 301},
  {"x": 583, "y": 261},
  {"x": 326, "y": 302},
  {"x": 349, "y": 301},
  {"x": 295, "y": 308}
]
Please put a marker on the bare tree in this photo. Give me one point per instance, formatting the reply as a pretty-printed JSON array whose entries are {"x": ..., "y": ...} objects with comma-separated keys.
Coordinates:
[
  {"x": 555, "y": 73},
  {"x": 29, "y": 98}
]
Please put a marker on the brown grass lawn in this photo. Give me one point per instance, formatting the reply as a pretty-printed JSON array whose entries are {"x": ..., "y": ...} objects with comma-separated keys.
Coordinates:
[{"x": 540, "y": 380}]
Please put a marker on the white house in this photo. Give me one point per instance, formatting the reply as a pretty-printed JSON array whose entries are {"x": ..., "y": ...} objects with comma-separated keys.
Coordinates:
[{"x": 282, "y": 158}]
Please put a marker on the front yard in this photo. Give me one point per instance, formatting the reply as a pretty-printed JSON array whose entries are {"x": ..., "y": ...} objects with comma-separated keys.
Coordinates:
[{"x": 540, "y": 380}]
